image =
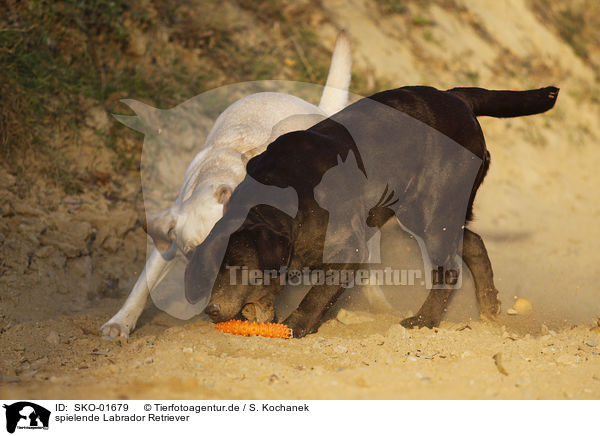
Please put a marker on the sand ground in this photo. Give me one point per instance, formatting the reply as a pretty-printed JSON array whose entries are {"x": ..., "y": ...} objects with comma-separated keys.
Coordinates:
[{"x": 376, "y": 359}]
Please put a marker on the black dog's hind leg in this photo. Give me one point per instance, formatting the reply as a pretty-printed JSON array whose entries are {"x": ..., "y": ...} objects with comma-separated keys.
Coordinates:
[
  {"x": 475, "y": 256},
  {"x": 431, "y": 312}
]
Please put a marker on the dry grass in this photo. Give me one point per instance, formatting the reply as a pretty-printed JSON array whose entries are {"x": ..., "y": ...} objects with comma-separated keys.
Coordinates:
[
  {"x": 577, "y": 22},
  {"x": 61, "y": 58}
]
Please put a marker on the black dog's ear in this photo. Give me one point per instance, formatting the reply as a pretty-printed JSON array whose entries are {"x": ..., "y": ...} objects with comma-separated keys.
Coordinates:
[
  {"x": 273, "y": 235},
  {"x": 275, "y": 249}
]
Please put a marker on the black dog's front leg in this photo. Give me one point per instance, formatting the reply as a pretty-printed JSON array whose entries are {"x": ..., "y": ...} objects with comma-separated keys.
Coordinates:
[{"x": 307, "y": 317}]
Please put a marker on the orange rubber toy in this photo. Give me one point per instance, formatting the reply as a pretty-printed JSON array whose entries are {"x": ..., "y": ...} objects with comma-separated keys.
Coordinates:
[{"x": 246, "y": 328}]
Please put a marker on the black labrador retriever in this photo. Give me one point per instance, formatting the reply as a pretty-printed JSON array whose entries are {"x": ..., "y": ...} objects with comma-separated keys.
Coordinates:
[{"x": 314, "y": 197}]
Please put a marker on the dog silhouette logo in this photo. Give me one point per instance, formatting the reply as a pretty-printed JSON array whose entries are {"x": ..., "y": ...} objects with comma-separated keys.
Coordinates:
[{"x": 26, "y": 415}]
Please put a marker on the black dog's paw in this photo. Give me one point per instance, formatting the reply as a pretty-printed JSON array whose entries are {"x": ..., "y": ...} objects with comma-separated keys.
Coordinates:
[
  {"x": 298, "y": 325},
  {"x": 299, "y": 330},
  {"x": 419, "y": 321},
  {"x": 298, "y": 333},
  {"x": 489, "y": 304}
]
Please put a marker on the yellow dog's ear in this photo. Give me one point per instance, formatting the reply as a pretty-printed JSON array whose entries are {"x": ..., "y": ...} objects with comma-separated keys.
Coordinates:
[
  {"x": 222, "y": 195},
  {"x": 159, "y": 227}
]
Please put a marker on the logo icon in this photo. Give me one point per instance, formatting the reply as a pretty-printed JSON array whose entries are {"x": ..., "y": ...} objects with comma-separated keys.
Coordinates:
[{"x": 26, "y": 415}]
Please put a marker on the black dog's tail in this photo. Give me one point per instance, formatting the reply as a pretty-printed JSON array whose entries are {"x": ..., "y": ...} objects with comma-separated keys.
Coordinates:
[{"x": 503, "y": 104}]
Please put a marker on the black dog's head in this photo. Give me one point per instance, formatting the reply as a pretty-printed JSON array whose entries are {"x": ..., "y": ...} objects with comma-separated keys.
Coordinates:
[{"x": 248, "y": 278}]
